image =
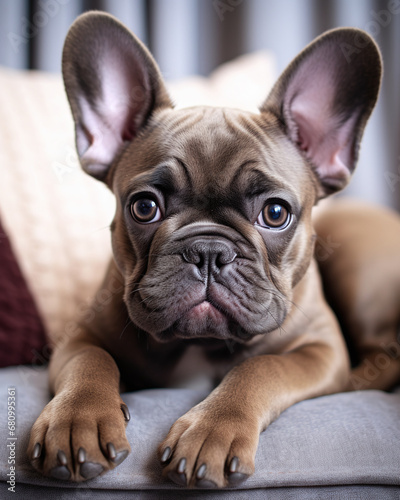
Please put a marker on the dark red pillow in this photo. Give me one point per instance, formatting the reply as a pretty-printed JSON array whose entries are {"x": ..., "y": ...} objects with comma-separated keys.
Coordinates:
[{"x": 22, "y": 335}]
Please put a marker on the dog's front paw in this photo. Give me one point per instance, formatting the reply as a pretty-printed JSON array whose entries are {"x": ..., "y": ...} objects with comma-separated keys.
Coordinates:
[
  {"x": 210, "y": 446},
  {"x": 79, "y": 436}
]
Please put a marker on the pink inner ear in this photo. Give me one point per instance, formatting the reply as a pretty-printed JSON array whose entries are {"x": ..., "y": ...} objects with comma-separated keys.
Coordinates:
[
  {"x": 119, "y": 87},
  {"x": 326, "y": 142},
  {"x": 313, "y": 124},
  {"x": 97, "y": 142},
  {"x": 115, "y": 114}
]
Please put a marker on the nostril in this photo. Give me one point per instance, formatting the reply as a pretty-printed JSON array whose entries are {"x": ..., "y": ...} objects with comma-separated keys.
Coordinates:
[
  {"x": 200, "y": 261},
  {"x": 192, "y": 256},
  {"x": 224, "y": 258}
]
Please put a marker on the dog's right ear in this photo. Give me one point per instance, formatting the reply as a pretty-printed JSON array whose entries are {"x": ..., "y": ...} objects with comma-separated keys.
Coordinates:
[{"x": 113, "y": 86}]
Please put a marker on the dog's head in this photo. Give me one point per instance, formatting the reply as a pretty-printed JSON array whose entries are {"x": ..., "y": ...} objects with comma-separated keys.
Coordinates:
[{"x": 213, "y": 224}]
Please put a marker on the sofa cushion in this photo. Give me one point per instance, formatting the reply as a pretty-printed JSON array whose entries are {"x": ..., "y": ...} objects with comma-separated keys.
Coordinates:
[{"x": 344, "y": 439}]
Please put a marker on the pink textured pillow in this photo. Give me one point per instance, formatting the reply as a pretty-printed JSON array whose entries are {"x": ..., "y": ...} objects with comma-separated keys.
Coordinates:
[{"x": 22, "y": 336}]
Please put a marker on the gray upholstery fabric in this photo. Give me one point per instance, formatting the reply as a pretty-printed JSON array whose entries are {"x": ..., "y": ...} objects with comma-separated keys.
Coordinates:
[{"x": 340, "y": 446}]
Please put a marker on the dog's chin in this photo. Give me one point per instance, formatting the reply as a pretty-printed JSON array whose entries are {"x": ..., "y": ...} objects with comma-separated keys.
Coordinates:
[
  {"x": 201, "y": 322},
  {"x": 204, "y": 321}
]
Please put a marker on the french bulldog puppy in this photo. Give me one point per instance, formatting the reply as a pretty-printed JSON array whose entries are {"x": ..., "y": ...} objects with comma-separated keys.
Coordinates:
[{"x": 213, "y": 246}]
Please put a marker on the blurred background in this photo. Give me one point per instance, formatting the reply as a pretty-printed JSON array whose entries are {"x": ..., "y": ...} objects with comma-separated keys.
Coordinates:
[{"x": 190, "y": 37}]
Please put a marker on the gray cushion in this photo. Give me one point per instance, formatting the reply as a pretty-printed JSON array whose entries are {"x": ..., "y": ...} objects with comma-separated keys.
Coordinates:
[{"x": 345, "y": 443}]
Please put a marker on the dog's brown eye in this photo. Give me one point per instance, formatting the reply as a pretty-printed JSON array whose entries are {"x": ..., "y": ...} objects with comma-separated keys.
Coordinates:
[
  {"x": 274, "y": 216},
  {"x": 145, "y": 210}
]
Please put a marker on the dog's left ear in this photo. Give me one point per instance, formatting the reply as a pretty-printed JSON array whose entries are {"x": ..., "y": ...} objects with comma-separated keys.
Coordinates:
[
  {"x": 324, "y": 99},
  {"x": 113, "y": 86}
]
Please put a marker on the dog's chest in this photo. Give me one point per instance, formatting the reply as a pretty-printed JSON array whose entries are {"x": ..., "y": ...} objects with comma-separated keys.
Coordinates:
[
  {"x": 194, "y": 371},
  {"x": 202, "y": 369}
]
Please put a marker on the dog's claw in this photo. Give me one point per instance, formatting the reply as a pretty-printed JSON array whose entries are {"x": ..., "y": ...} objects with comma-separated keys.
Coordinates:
[
  {"x": 60, "y": 472},
  {"x": 62, "y": 458},
  {"x": 181, "y": 466},
  {"x": 235, "y": 477},
  {"x": 89, "y": 470},
  {"x": 201, "y": 471},
  {"x": 125, "y": 411},
  {"x": 166, "y": 454},
  {"x": 111, "y": 451},
  {"x": 37, "y": 450},
  {"x": 81, "y": 456},
  {"x": 179, "y": 476},
  {"x": 120, "y": 457},
  {"x": 233, "y": 465},
  {"x": 115, "y": 457}
]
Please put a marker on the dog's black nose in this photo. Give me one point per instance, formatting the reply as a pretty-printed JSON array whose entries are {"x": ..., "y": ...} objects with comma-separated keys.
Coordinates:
[{"x": 209, "y": 254}]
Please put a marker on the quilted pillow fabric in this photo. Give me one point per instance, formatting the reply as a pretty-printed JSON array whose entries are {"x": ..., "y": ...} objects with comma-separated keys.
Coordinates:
[{"x": 56, "y": 217}]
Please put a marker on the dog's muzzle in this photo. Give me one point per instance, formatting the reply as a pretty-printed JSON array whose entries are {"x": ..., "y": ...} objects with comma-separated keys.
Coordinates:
[{"x": 205, "y": 280}]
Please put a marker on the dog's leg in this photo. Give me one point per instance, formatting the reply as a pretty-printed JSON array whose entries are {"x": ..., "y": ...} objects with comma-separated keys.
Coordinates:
[
  {"x": 380, "y": 366},
  {"x": 214, "y": 444},
  {"x": 81, "y": 432}
]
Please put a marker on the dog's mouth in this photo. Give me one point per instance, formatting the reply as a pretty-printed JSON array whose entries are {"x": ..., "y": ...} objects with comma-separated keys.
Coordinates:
[
  {"x": 203, "y": 320},
  {"x": 205, "y": 311}
]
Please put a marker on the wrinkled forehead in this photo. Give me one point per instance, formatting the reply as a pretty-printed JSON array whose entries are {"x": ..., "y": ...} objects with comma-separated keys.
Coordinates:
[
  {"x": 214, "y": 138},
  {"x": 213, "y": 149}
]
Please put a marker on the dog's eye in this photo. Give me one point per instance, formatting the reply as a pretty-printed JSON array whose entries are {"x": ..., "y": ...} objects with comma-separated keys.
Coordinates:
[
  {"x": 274, "y": 216},
  {"x": 145, "y": 210}
]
